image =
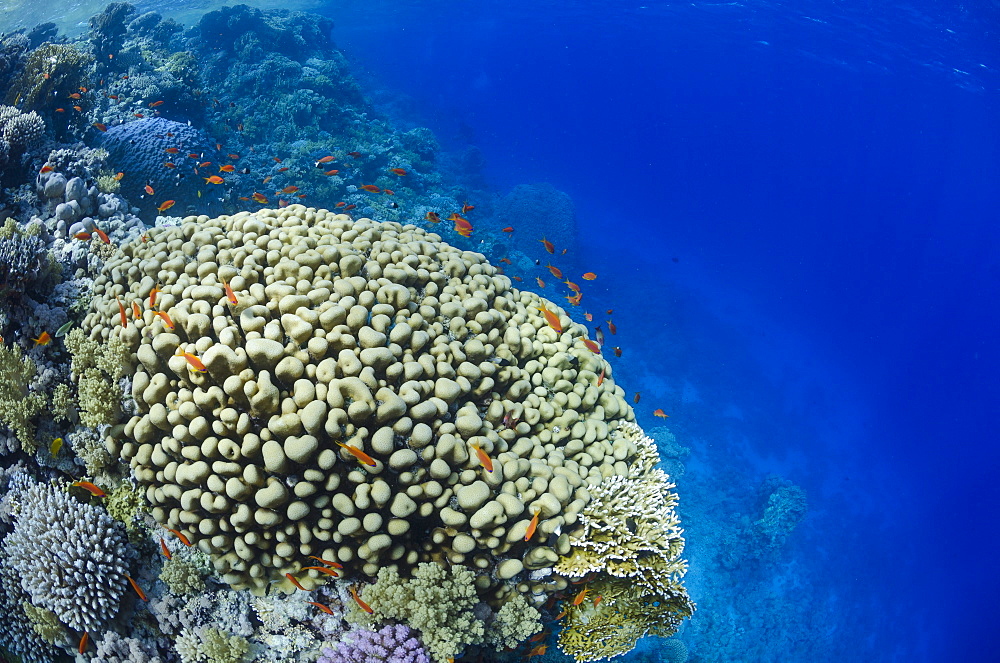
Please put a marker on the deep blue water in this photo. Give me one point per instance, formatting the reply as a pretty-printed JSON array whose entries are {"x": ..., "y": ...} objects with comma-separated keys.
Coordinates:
[{"x": 826, "y": 175}]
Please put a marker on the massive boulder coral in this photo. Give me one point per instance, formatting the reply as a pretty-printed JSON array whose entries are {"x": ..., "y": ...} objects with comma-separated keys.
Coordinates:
[{"x": 375, "y": 336}]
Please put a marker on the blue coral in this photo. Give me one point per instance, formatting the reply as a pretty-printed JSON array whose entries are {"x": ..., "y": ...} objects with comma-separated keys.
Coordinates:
[{"x": 394, "y": 643}]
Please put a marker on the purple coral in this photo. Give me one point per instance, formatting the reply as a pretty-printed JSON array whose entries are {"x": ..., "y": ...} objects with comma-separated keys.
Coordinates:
[{"x": 393, "y": 643}]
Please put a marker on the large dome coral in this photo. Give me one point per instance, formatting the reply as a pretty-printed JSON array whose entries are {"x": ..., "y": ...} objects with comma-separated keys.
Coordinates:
[{"x": 376, "y": 336}]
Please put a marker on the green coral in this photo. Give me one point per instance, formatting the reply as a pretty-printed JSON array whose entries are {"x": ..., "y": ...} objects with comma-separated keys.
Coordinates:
[
  {"x": 63, "y": 403},
  {"x": 97, "y": 369},
  {"x": 51, "y": 73},
  {"x": 18, "y": 406},
  {"x": 45, "y": 623},
  {"x": 515, "y": 622},
  {"x": 210, "y": 645},
  {"x": 182, "y": 576},
  {"x": 108, "y": 183},
  {"x": 124, "y": 504},
  {"x": 436, "y": 602}
]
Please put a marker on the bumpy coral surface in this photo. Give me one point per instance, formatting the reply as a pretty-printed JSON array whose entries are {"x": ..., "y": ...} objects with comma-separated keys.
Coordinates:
[
  {"x": 378, "y": 337},
  {"x": 393, "y": 643},
  {"x": 69, "y": 557}
]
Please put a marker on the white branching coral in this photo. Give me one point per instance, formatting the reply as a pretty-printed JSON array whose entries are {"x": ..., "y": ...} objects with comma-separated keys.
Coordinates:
[{"x": 70, "y": 557}]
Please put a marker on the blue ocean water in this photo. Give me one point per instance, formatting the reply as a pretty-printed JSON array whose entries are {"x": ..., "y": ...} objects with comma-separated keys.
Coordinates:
[{"x": 792, "y": 212}]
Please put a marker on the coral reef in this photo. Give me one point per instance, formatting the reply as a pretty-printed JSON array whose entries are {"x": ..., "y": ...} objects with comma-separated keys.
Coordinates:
[
  {"x": 19, "y": 132},
  {"x": 211, "y": 645},
  {"x": 70, "y": 557},
  {"x": 393, "y": 643},
  {"x": 783, "y": 505},
  {"x": 114, "y": 648},
  {"x": 18, "y": 404}
]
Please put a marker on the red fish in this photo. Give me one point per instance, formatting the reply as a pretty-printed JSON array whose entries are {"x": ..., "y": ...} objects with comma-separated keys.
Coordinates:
[
  {"x": 295, "y": 582},
  {"x": 463, "y": 227},
  {"x": 556, "y": 272},
  {"x": 103, "y": 235},
  {"x": 635, "y": 399},
  {"x": 575, "y": 299},
  {"x": 195, "y": 363},
  {"x": 121, "y": 311},
  {"x": 83, "y": 642},
  {"x": 371, "y": 188},
  {"x": 322, "y": 569},
  {"x": 532, "y": 525},
  {"x": 593, "y": 347},
  {"x": 259, "y": 198},
  {"x": 612, "y": 328},
  {"x": 43, "y": 339},
  {"x": 46, "y": 169},
  {"x": 233, "y": 156},
  {"x": 331, "y": 172},
  {"x": 505, "y": 261},
  {"x": 582, "y": 595},
  {"x": 170, "y": 164},
  {"x": 432, "y": 217},
  {"x": 508, "y": 229},
  {"x": 484, "y": 458},
  {"x": 658, "y": 412},
  {"x": 149, "y": 190},
  {"x": 551, "y": 318},
  {"x": 466, "y": 207},
  {"x": 588, "y": 317},
  {"x": 118, "y": 176},
  {"x": 355, "y": 155},
  {"x": 389, "y": 192},
  {"x": 155, "y": 104},
  {"x": 213, "y": 179},
  {"x": 135, "y": 586},
  {"x": 283, "y": 169},
  {"x": 84, "y": 236},
  {"x": 397, "y": 171},
  {"x": 167, "y": 322},
  {"x": 100, "y": 127},
  {"x": 359, "y": 454},
  {"x": 180, "y": 535},
  {"x": 335, "y": 565},
  {"x": 572, "y": 286},
  {"x": 152, "y": 296},
  {"x": 321, "y": 607},
  {"x": 172, "y": 150},
  {"x": 165, "y": 205},
  {"x": 326, "y": 159},
  {"x": 600, "y": 378},
  {"x": 541, "y": 283},
  {"x": 618, "y": 351},
  {"x": 589, "y": 276},
  {"x": 74, "y": 95},
  {"x": 350, "y": 207},
  {"x": 90, "y": 488},
  {"x": 229, "y": 293},
  {"x": 548, "y": 245},
  {"x": 289, "y": 189},
  {"x": 228, "y": 168},
  {"x": 77, "y": 109},
  {"x": 361, "y": 604},
  {"x": 164, "y": 549}
]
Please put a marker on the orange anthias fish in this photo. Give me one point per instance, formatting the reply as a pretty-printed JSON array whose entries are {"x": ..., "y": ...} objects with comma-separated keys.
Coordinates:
[
  {"x": 432, "y": 217},
  {"x": 213, "y": 179},
  {"x": 466, "y": 207},
  {"x": 152, "y": 296},
  {"x": 532, "y": 526},
  {"x": 100, "y": 127},
  {"x": 119, "y": 175},
  {"x": 541, "y": 283},
  {"x": 180, "y": 535},
  {"x": 359, "y": 454},
  {"x": 289, "y": 189},
  {"x": 361, "y": 604},
  {"x": 326, "y": 159},
  {"x": 322, "y": 569},
  {"x": 582, "y": 595},
  {"x": 551, "y": 318},
  {"x": 121, "y": 311},
  {"x": 46, "y": 169},
  {"x": 83, "y": 642},
  {"x": 195, "y": 363},
  {"x": 371, "y": 188},
  {"x": 259, "y": 198},
  {"x": 167, "y": 322},
  {"x": 331, "y": 172},
  {"x": 172, "y": 150},
  {"x": 456, "y": 217},
  {"x": 463, "y": 228},
  {"x": 321, "y": 607},
  {"x": 165, "y": 205},
  {"x": 164, "y": 549},
  {"x": 635, "y": 399},
  {"x": 335, "y": 565},
  {"x": 575, "y": 299},
  {"x": 588, "y": 317},
  {"x": 397, "y": 171},
  {"x": 658, "y": 412},
  {"x": 589, "y": 276},
  {"x": 612, "y": 328},
  {"x": 618, "y": 351},
  {"x": 484, "y": 458},
  {"x": 572, "y": 286},
  {"x": 84, "y": 236},
  {"x": 103, "y": 235},
  {"x": 548, "y": 245},
  {"x": 230, "y": 295},
  {"x": 228, "y": 168},
  {"x": 600, "y": 378},
  {"x": 592, "y": 346},
  {"x": 537, "y": 650},
  {"x": 135, "y": 586},
  {"x": 295, "y": 582},
  {"x": 43, "y": 339},
  {"x": 155, "y": 104},
  {"x": 90, "y": 488},
  {"x": 508, "y": 229},
  {"x": 556, "y": 272},
  {"x": 149, "y": 190}
]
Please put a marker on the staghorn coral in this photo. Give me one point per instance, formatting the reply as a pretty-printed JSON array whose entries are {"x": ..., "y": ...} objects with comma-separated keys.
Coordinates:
[
  {"x": 19, "y": 405},
  {"x": 393, "y": 643},
  {"x": 69, "y": 557},
  {"x": 435, "y": 601},
  {"x": 377, "y": 336},
  {"x": 45, "y": 623}
]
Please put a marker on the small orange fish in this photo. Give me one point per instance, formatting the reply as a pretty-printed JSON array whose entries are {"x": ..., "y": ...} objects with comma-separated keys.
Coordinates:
[
  {"x": 60, "y": 110},
  {"x": 556, "y": 272},
  {"x": 598, "y": 600},
  {"x": 572, "y": 286},
  {"x": 356, "y": 155},
  {"x": 230, "y": 295},
  {"x": 397, "y": 171},
  {"x": 180, "y": 535},
  {"x": 301, "y": 195},
  {"x": 588, "y": 317},
  {"x": 589, "y": 276},
  {"x": 228, "y": 168},
  {"x": 195, "y": 363},
  {"x": 538, "y": 650},
  {"x": 121, "y": 311},
  {"x": 600, "y": 378},
  {"x": 206, "y": 164},
  {"x": 90, "y": 488},
  {"x": 340, "y": 204},
  {"x": 259, "y": 198},
  {"x": 192, "y": 155},
  {"x": 46, "y": 169},
  {"x": 43, "y": 339},
  {"x": 551, "y": 318},
  {"x": 326, "y": 159},
  {"x": 517, "y": 278},
  {"x": 172, "y": 150},
  {"x": 232, "y": 155},
  {"x": 371, "y": 188},
  {"x": 548, "y": 245},
  {"x": 152, "y": 296},
  {"x": 103, "y": 235},
  {"x": 167, "y": 322},
  {"x": 505, "y": 261},
  {"x": 331, "y": 172},
  {"x": 283, "y": 169},
  {"x": 170, "y": 164},
  {"x": 455, "y": 216},
  {"x": 466, "y": 207},
  {"x": 538, "y": 636},
  {"x": 541, "y": 283},
  {"x": 74, "y": 95},
  {"x": 321, "y": 607},
  {"x": 463, "y": 227},
  {"x": 350, "y": 207},
  {"x": 618, "y": 351},
  {"x": 592, "y": 346},
  {"x": 658, "y": 412},
  {"x": 295, "y": 582},
  {"x": 612, "y": 328},
  {"x": 322, "y": 569},
  {"x": 635, "y": 399},
  {"x": 389, "y": 192},
  {"x": 100, "y": 127},
  {"x": 276, "y": 159},
  {"x": 139, "y": 115},
  {"x": 113, "y": 97},
  {"x": 155, "y": 104},
  {"x": 335, "y": 565},
  {"x": 77, "y": 109},
  {"x": 484, "y": 458},
  {"x": 213, "y": 179},
  {"x": 532, "y": 526},
  {"x": 361, "y": 604},
  {"x": 289, "y": 189},
  {"x": 135, "y": 586},
  {"x": 508, "y": 229},
  {"x": 432, "y": 217},
  {"x": 610, "y": 311},
  {"x": 164, "y": 549},
  {"x": 83, "y": 642},
  {"x": 84, "y": 236},
  {"x": 582, "y": 595},
  {"x": 165, "y": 205},
  {"x": 359, "y": 454},
  {"x": 149, "y": 190},
  {"x": 118, "y": 176}
]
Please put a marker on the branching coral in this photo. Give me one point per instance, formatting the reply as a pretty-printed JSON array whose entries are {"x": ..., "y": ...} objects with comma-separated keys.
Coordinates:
[
  {"x": 17, "y": 404},
  {"x": 514, "y": 622},
  {"x": 393, "y": 643},
  {"x": 97, "y": 370},
  {"x": 210, "y": 645}
]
